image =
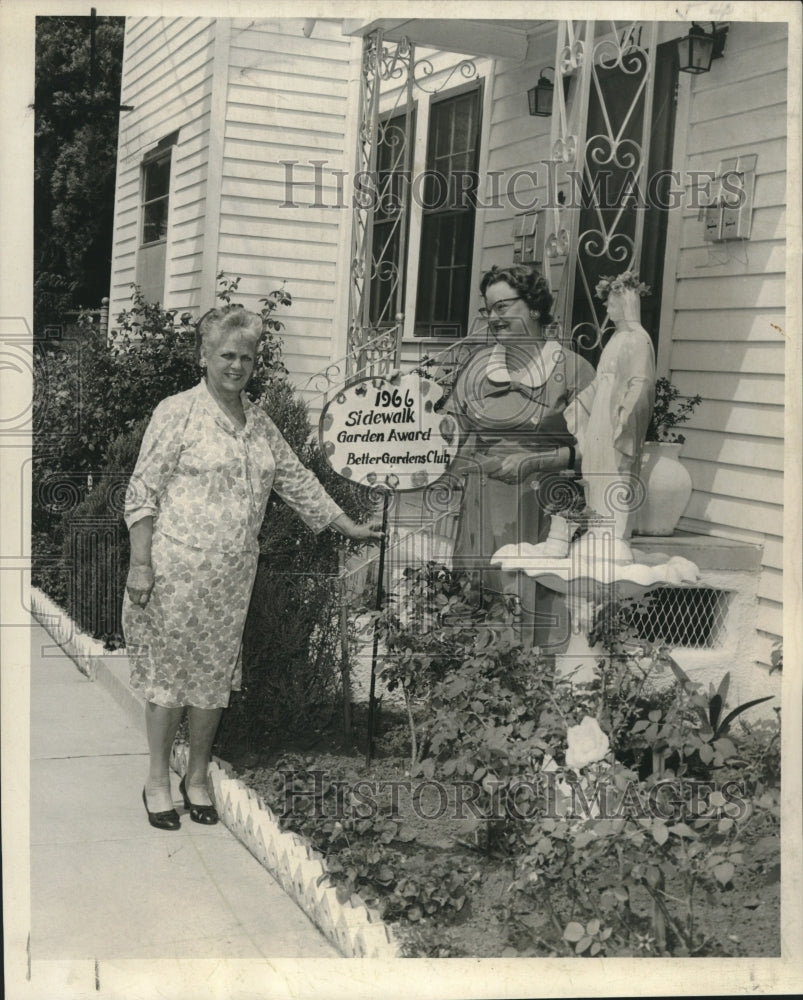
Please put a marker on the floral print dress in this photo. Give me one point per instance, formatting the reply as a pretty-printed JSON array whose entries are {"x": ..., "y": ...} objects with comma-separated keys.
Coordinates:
[{"x": 206, "y": 483}]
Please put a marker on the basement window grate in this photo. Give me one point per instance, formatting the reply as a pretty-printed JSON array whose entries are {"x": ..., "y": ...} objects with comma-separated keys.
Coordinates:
[{"x": 687, "y": 617}]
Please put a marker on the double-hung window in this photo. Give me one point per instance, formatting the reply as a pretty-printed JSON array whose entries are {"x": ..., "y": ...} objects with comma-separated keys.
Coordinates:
[
  {"x": 154, "y": 213},
  {"x": 448, "y": 213},
  {"x": 442, "y": 201}
]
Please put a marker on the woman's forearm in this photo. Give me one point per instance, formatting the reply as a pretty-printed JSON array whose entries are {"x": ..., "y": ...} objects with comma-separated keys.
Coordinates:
[
  {"x": 524, "y": 463},
  {"x": 140, "y": 535}
]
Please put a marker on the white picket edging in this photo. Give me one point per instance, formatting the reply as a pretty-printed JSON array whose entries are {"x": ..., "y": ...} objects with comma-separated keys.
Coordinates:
[
  {"x": 300, "y": 870},
  {"x": 80, "y": 647}
]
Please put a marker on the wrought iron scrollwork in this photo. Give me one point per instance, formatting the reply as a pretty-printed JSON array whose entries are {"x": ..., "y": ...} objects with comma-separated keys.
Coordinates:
[
  {"x": 605, "y": 229},
  {"x": 424, "y": 71}
]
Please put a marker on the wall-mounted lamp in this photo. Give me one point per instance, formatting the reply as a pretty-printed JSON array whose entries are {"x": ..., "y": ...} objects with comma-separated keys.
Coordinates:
[
  {"x": 539, "y": 97},
  {"x": 698, "y": 48}
]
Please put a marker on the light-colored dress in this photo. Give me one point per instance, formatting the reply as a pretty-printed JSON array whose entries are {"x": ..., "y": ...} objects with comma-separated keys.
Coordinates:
[
  {"x": 206, "y": 482},
  {"x": 511, "y": 400},
  {"x": 610, "y": 419}
]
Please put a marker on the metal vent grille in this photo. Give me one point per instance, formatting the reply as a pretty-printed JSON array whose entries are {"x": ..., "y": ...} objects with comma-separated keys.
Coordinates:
[{"x": 693, "y": 617}]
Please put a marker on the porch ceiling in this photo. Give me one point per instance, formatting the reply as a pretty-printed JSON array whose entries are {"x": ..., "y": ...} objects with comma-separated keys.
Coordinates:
[{"x": 496, "y": 38}]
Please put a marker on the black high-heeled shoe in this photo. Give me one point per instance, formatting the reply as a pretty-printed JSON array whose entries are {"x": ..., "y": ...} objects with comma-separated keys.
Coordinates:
[
  {"x": 167, "y": 820},
  {"x": 206, "y": 815}
]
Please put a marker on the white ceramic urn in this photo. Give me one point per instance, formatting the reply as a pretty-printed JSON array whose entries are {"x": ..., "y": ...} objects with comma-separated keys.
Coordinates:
[{"x": 668, "y": 485}]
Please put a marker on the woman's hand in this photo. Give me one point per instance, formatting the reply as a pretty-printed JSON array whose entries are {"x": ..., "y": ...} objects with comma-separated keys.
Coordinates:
[
  {"x": 371, "y": 532},
  {"x": 519, "y": 464},
  {"x": 139, "y": 584},
  {"x": 516, "y": 466}
]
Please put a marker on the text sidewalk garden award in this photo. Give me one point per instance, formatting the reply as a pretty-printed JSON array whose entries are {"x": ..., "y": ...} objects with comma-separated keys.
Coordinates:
[{"x": 388, "y": 432}]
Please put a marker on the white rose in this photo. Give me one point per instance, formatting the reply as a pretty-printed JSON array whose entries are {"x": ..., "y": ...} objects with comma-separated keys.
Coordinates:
[{"x": 586, "y": 744}]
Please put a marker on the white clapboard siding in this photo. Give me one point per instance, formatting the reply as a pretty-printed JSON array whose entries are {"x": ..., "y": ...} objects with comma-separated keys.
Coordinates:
[
  {"x": 732, "y": 512},
  {"x": 287, "y": 100},
  {"x": 734, "y": 481},
  {"x": 769, "y": 620},
  {"x": 734, "y": 449},
  {"x": 167, "y": 74},
  {"x": 518, "y": 145},
  {"x": 732, "y": 325},
  {"x": 729, "y": 326}
]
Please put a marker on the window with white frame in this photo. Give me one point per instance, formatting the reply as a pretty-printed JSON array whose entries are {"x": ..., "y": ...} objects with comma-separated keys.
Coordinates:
[
  {"x": 154, "y": 214},
  {"x": 444, "y": 203},
  {"x": 448, "y": 214}
]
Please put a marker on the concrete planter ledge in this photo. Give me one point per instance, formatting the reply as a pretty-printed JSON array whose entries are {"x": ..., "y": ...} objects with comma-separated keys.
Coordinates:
[
  {"x": 354, "y": 929},
  {"x": 707, "y": 552}
]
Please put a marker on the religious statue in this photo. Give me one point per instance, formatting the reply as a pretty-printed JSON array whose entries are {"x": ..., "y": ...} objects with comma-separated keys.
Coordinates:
[{"x": 609, "y": 418}]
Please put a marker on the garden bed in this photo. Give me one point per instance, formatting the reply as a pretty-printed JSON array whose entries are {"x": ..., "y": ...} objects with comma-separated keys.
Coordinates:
[{"x": 410, "y": 856}]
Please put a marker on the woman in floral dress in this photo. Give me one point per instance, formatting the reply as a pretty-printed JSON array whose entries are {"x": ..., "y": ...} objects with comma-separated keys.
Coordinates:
[{"x": 195, "y": 504}]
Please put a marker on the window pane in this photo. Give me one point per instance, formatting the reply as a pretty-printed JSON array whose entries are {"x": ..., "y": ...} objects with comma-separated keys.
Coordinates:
[
  {"x": 443, "y": 119},
  {"x": 157, "y": 179},
  {"x": 445, "y": 273},
  {"x": 155, "y": 221},
  {"x": 447, "y": 230},
  {"x": 464, "y": 128}
]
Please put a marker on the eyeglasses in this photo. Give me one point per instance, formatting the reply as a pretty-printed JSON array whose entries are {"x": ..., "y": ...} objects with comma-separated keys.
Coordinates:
[{"x": 500, "y": 307}]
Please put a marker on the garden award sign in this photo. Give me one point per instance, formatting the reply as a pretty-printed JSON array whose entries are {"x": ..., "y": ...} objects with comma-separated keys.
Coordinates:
[{"x": 387, "y": 432}]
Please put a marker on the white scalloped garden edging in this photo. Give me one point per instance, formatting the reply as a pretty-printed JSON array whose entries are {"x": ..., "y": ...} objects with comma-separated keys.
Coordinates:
[
  {"x": 356, "y": 931},
  {"x": 80, "y": 647}
]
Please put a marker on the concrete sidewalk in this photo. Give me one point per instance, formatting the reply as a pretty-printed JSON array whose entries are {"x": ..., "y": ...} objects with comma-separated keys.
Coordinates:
[{"x": 104, "y": 883}]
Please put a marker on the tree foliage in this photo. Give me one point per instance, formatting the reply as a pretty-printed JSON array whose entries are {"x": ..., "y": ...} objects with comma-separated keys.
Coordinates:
[{"x": 77, "y": 109}]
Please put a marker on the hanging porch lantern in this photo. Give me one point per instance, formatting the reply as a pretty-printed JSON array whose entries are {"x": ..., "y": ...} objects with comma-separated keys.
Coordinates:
[
  {"x": 697, "y": 50},
  {"x": 539, "y": 97}
]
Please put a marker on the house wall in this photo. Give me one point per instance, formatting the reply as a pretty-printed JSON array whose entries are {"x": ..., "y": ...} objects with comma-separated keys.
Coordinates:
[
  {"x": 726, "y": 317},
  {"x": 167, "y": 77},
  {"x": 245, "y": 95},
  {"x": 287, "y": 99},
  {"x": 518, "y": 146},
  {"x": 723, "y": 328}
]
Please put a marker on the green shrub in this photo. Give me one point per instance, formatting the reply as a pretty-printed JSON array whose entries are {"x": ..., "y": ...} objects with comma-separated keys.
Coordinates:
[{"x": 95, "y": 546}]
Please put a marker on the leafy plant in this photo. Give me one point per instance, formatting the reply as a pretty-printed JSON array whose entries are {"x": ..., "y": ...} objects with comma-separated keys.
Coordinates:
[
  {"x": 776, "y": 657},
  {"x": 667, "y": 412},
  {"x": 713, "y": 727},
  {"x": 356, "y": 838}
]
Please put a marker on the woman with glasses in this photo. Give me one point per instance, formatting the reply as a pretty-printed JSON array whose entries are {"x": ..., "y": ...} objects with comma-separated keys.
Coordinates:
[{"x": 510, "y": 396}]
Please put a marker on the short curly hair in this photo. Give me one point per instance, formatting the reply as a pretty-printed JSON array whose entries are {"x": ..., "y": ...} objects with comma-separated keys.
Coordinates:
[
  {"x": 215, "y": 324},
  {"x": 528, "y": 283}
]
